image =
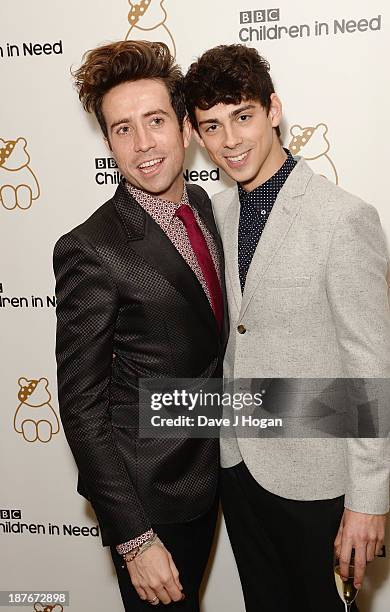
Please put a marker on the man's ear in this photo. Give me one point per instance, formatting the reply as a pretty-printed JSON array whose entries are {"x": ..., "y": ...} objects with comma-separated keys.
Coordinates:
[
  {"x": 107, "y": 143},
  {"x": 187, "y": 131},
  {"x": 275, "y": 110},
  {"x": 198, "y": 138}
]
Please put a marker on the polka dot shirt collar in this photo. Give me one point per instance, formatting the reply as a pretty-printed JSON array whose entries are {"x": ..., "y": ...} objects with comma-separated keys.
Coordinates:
[
  {"x": 255, "y": 208},
  {"x": 264, "y": 195}
]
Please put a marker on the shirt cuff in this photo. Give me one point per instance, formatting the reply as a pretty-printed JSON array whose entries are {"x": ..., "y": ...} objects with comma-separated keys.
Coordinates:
[{"x": 126, "y": 547}]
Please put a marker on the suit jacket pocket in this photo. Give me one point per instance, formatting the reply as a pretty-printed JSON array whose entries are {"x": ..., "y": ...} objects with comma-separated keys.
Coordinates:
[{"x": 284, "y": 297}]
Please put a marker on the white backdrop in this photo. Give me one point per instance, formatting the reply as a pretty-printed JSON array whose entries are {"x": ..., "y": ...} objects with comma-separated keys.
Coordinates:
[{"x": 329, "y": 63}]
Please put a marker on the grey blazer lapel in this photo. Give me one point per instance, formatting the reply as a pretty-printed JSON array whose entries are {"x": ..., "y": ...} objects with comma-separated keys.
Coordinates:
[
  {"x": 284, "y": 211},
  {"x": 230, "y": 244}
]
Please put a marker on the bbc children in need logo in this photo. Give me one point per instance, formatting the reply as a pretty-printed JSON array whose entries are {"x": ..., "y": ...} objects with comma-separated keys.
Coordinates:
[
  {"x": 107, "y": 173},
  {"x": 265, "y": 24},
  {"x": 13, "y": 521},
  {"x": 30, "y": 49}
]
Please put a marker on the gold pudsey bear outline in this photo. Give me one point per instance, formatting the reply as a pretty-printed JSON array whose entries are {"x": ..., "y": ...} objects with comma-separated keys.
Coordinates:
[
  {"x": 137, "y": 10},
  {"x": 6, "y": 152},
  {"x": 25, "y": 391},
  {"x": 301, "y": 135}
]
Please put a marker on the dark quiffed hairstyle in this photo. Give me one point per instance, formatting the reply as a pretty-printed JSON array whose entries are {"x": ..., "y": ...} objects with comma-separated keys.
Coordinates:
[
  {"x": 105, "y": 67},
  {"x": 227, "y": 74}
]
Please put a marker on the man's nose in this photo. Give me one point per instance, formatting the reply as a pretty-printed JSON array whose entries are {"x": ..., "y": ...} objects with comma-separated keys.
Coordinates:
[
  {"x": 143, "y": 140},
  {"x": 232, "y": 137}
]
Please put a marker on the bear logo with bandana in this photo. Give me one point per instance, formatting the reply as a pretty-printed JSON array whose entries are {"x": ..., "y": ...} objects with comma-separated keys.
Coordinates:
[
  {"x": 35, "y": 418},
  {"x": 147, "y": 19},
  {"x": 18, "y": 184},
  {"x": 312, "y": 144}
]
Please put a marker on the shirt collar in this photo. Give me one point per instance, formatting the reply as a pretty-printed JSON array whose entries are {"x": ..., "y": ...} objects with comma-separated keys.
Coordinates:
[
  {"x": 273, "y": 184},
  {"x": 164, "y": 209}
]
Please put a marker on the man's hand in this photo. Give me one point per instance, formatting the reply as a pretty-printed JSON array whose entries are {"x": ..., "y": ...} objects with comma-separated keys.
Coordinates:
[
  {"x": 363, "y": 532},
  {"x": 154, "y": 574}
]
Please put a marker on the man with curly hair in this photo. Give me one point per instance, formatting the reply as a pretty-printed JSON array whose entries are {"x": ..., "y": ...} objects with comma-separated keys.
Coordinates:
[
  {"x": 306, "y": 284},
  {"x": 139, "y": 290}
]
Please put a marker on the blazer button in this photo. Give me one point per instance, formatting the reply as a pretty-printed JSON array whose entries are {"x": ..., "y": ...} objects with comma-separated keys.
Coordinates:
[{"x": 241, "y": 329}]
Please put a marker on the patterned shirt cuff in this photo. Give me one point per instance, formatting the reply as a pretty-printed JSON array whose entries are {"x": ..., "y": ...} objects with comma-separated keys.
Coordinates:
[{"x": 122, "y": 549}]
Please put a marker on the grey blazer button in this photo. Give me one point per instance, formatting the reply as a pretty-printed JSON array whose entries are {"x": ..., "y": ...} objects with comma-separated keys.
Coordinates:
[{"x": 241, "y": 329}]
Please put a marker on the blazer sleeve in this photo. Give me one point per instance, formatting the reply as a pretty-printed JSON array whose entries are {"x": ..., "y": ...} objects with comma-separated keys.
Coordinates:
[
  {"x": 358, "y": 295},
  {"x": 87, "y": 305}
]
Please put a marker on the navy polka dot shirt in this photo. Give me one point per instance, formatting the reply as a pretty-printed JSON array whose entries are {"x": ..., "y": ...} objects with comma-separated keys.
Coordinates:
[{"x": 255, "y": 208}]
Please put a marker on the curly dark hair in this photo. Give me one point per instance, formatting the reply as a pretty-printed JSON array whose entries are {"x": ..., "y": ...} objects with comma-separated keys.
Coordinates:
[
  {"x": 109, "y": 65},
  {"x": 227, "y": 74}
]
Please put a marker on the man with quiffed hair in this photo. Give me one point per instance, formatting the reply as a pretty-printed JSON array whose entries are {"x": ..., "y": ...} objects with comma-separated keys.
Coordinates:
[
  {"x": 306, "y": 285},
  {"x": 140, "y": 295}
]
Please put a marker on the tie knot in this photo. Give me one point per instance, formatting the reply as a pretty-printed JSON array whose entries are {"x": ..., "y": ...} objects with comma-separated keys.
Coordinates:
[{"x": 185, "y": 214}]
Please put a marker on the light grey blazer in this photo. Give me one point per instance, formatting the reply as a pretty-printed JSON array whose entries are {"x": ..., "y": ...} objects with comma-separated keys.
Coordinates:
[{"x": 315, "y": 305}]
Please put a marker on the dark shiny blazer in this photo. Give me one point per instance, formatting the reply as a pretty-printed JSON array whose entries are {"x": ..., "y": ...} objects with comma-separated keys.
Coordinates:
[{"x": 129, "y": 306}]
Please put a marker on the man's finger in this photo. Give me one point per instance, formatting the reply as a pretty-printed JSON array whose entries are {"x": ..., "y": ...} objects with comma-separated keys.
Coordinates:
[
  {"x": 136, "y": 582},
  {"x": 141, "y": 593},
  {"x": 155, "y": 601},
  {"x": 151, "y": 596},
  {"x": 345, "y": 558},
  {"x": 360, "y": 565},
  {"x": 337, "y": 542},
  {"x": 163, "y": 596},
  {"x": 371, "y": 546},
  {"x": 339, "y": 538},
  {"x": 379, "y": 548},
  {"x": 174, "y": 592},
  {"x": 175, "y": 573}
]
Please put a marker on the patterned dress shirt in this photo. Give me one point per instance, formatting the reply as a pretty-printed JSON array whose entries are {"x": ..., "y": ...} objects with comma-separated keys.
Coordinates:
[
  {"x": 163, "y": 212},
  {"x": 255, "y": 208}
]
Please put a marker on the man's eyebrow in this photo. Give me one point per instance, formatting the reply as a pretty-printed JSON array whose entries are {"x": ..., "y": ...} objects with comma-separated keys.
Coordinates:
[
  {"x": 125, "y": 120},
  {"x": 234, "y": 113},
  {"x": 208, "y": 121},
  {"x": 241, "y": 109},
  {"x": 158, "y": 111}
]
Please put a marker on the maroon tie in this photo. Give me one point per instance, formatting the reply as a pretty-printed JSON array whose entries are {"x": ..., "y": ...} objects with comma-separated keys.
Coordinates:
[{"x": 202, "y": 253}]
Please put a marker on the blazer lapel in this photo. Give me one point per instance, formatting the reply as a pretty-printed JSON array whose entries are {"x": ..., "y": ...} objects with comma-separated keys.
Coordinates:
[
  {"x": 230, "y": 243},
  {"x": 284, "y": 211},
  {"x": 150, "y": 242}
]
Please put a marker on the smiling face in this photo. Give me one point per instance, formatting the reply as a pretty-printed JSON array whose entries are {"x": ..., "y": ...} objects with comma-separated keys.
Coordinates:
[
  {"x": 241, "y": 139},
  {"x": 145, "y": 137}
]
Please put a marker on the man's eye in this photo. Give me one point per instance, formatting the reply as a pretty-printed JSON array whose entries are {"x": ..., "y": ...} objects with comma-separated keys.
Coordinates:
[
  {"x": 212, "y": 128},
  {"x": 123, "y": 130},
  {"x": 157, "y": 121},
  {"x": 243, "y": 118}
]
